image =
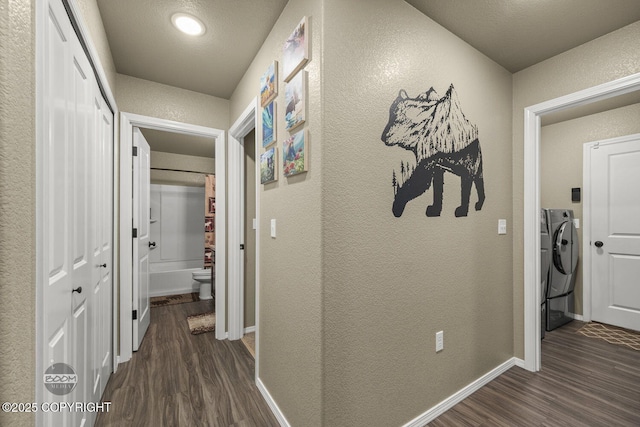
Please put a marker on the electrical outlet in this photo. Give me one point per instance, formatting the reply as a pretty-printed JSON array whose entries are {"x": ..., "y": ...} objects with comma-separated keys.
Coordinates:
[
  {"x": 439, "y": 341},
  {"x": 273, "y": 228}
]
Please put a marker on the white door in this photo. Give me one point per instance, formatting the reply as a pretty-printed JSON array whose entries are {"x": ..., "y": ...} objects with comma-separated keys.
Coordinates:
[
  {"x": 69, "y": 182},
  {"x": 141, "y": 225},
  {"x": 615, "y": 232},
  {"x": 102, "y": 290}
]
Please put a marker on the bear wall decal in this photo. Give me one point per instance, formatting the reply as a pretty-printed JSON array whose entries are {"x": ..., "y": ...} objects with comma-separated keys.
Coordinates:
[{"x": 436, "y": 131}]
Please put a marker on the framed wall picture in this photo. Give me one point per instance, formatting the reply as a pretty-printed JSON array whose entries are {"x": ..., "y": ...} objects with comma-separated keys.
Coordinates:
[
  {"x": 295, "y": 154},
  {"x": 269, "y": 124},
  {"x": 212, "y": 205},
  {"x": 294, "y": 96},
  {"x": 268, "y": 168},
  {"x": 269, "y": 84},
  {"x": 295, "y": 52},
  {"x": 209, "y": 224}
]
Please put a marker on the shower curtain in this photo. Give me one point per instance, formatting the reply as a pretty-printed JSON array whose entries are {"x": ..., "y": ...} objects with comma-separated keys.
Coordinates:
[{"x": 209, "y": 220}]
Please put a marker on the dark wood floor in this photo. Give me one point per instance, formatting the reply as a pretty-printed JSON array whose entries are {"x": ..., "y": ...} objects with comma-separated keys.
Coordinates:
[
  {"x": 583, "y": 382},
  {"x": 179, "y": 379}
]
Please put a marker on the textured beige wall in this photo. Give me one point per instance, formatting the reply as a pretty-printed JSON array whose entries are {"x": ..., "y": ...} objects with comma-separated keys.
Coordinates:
[
  {"x": 607, "y": 58},
  {"x": 561, "y": 151},
  {"x": 391, "y": 283},
  {"x": 17, "y": 207},
  {"x": 197, "y": 167},
  {"x": 249, "y": 232},
  {"x": 152, "y": 99},
  {"x": 290, "y": 280}
]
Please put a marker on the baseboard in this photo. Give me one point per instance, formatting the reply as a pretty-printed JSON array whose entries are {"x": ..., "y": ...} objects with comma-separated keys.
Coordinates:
[
  {"x": 249, "y": 329},
  {"x": 272, "y": 404},
  {"x": 579, "y": 317},
  {"x": 458, "y": 397},
  {"x": 519, "y": 362},
  {"x": 174, "y": 291}
]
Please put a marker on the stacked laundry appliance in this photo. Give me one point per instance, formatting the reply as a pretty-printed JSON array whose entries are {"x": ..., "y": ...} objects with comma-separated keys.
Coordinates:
[{"x": 559, "y": 259}]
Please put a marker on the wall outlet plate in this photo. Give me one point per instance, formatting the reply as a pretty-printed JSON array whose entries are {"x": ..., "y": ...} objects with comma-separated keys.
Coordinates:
[
  {"x": 439, "y": 341},
  {"x": 273, "y": 228},
  {"x": 502, "y": 226}
]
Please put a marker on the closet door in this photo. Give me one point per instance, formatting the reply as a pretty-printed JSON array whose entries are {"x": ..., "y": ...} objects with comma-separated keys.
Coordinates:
[{"x": 75, "y": 179}]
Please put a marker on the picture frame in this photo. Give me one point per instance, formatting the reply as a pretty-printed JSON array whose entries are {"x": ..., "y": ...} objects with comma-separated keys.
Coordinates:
[
  {"x": 269, "y": 124},
  {"x": 208, "y": 256},
  {"x": 295, "y": 52},
  {"x": 268, "y": 166},
  {"x": 212, "y": 205},
  {"x": 295, "y": 154},
  {"x": 295, "y": 102},
  {"x": 269, "y": 84},
  {"x": 209, "y": 224}
]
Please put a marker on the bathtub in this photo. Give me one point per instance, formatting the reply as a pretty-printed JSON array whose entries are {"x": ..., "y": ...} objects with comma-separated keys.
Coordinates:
[{"x": 172, "y": 278}]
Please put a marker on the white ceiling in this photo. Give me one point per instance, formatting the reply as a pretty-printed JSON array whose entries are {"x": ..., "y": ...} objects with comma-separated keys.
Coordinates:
[
  {"x": 177, "y": 143},
  {"x": 145, "y": 44},
  {"x": 519, "y": 33},
  {"x": 514, "y": 33}
]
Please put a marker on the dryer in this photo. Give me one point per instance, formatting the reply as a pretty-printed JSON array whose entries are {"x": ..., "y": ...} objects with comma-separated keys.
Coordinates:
[
  {"x": 545, "y": 265},
  {"x": 564, "y": 260}
]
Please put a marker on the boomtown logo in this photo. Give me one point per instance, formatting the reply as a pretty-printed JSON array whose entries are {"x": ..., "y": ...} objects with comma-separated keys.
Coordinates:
[{"x": 60, "y": 379}]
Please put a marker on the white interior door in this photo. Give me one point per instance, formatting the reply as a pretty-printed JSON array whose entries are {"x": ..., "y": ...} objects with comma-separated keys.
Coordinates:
[
  {"x": 141, "y": 225},
  {"x": 615, "y": 232}
]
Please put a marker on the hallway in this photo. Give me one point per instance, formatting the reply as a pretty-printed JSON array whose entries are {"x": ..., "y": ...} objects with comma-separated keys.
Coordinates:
[{"x": 179, "y": 379}]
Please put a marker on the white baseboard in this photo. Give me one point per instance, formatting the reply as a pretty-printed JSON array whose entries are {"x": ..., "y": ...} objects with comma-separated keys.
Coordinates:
[
  {"x": 272, "y": 404},
  {"x": 462, "y": 394},
  {"x": 519, "y": 362},
  {"x": 249, "y": 329},
  {"x": 577, "y": 317}
]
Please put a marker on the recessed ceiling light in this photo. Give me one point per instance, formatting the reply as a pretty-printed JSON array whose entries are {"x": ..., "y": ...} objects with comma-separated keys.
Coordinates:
[{"x": 188, "y": 24}]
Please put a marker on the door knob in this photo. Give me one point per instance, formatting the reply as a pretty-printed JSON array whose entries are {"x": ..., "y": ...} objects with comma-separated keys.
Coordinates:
[
  {"x": 152, "y": 244},
  {"x": 103, "y": 265},
  {"x": 78, "y": 290},
  {"x": 598, "y": 244}
]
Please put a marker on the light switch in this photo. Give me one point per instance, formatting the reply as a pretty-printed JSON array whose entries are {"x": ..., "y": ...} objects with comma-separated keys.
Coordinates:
[
  {"x": 502, "y": 226},
  {"x": 273, "y": 228},
  {"x": 576, "y": 222},
  {"x": 254, "y": 224}
]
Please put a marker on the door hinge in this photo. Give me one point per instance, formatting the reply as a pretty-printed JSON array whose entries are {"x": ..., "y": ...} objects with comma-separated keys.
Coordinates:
[
  {"x": 135, "y": 233},
  {"x": 135, "y": 314},
  {"x": 242, "y": 246},
  {"x": 135, "y": 151}
]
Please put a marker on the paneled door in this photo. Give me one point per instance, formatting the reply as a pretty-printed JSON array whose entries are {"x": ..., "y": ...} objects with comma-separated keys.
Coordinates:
[
  {"x": 615, "y": 232},
  {"x": 141, "y": 241},
  {"x": 75, "y": 197}
]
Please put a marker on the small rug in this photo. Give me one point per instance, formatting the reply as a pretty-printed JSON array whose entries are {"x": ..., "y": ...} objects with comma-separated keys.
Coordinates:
[
  {"x": 249, "y": 341},
  {"x": 201, "y": 323},
  {"x": 612, "y": 334},
  {"x": 173, "y": 299}
]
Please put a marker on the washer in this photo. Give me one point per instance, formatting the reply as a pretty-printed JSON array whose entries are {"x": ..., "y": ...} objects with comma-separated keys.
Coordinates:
[
  {"x": 545, "y": 265},
  {"x": 564, "y": 249}
]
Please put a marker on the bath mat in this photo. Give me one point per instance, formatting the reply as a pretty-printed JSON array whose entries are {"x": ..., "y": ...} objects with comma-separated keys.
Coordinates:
[
  {"x": 173, "y": 299},
  {"x": 612, "y": 334},
  {"x": 249, "y": 341},
  {"x": 201, "y": 323}
]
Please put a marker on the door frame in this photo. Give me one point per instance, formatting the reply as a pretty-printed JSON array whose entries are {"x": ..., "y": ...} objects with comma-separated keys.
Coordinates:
[
  {"x": 246, "y": 122},
  {"x": 532, "y": 131},
  {"x": 127, "y": 122}
]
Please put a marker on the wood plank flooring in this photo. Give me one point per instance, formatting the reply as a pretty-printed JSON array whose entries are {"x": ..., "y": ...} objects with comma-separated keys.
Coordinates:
[
  {"x": 583, "y": 382},
  {"x": 179, "y": 379}
]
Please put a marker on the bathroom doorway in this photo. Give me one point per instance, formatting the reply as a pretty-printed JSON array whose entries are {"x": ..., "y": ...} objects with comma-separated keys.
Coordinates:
[{"x": 163, "y": 134}]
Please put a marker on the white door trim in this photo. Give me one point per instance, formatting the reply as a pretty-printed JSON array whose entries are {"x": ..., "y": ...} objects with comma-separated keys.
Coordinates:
[
  {"x": 242, "y": 126},
  {"x": 127, "y": 122},
  {"x": 532, "y": 116}
]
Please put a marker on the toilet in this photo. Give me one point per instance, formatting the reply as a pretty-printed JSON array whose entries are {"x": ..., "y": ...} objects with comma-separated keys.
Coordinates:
[{"x": 203, "y": 277}]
